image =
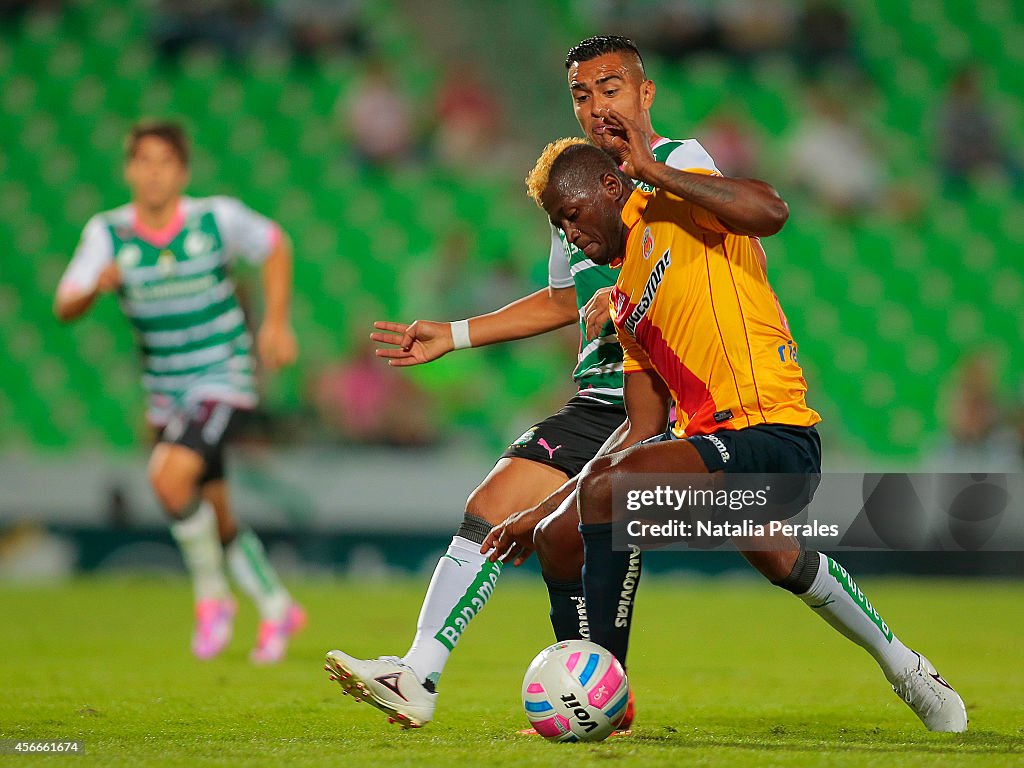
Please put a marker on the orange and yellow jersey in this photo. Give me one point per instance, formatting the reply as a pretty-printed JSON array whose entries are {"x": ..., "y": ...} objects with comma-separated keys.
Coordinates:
[{"x": 692, "y": 302}]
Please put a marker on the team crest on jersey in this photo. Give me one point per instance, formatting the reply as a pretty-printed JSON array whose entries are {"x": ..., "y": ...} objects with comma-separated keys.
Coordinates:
[
  {"x": 648, "y": 243},
  {"x": 129, "y": 255},
  {"x": 166, "y": 262},
  {"x": 524, "y": 438},
  {"x": 198, "y": 244}
]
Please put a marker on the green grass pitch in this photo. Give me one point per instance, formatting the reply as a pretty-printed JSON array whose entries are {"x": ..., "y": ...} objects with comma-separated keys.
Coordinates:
[{"x": 727, "y": 672}]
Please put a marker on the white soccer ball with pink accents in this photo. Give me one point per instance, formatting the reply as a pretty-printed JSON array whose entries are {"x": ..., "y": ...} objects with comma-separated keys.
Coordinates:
[{"x": 575, "y": 691}]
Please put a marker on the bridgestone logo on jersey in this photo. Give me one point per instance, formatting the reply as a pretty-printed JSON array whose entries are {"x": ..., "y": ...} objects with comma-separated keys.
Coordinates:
[
  {"x": 628, "y": 589},
  {"x": 657, "y": 275},
  {"x": 476, "y": 597},
  {"x": 849, "y": 586}
]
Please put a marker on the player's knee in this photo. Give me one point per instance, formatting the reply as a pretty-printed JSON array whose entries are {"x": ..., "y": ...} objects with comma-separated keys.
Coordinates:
[
  {"x": 484, "y": 503},
  {"x": 174, "y": 494},
  {"x": 595, "y": 492},
  {"x": 559, "y": 550}
]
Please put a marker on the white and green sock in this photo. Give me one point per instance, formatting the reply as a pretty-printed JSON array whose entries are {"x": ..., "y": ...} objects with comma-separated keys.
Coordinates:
[
  {"x": 249, "y": 566},
  {"x": 835, "y": 596},
  {"x": 462, "y": 583},
  {"x": 200, "y": 547}
]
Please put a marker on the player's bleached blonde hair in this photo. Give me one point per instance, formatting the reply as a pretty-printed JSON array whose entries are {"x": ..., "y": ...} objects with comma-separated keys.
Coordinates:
[{"x": 537, "y": 179}]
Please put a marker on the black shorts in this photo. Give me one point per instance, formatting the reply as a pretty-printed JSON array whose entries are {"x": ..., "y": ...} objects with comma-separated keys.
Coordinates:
[
  {"x": 761, "y": 449},
  {"x": 204, "y": 428},
  {"x": 765, "y": 449},
  {"x": 781, "y": 456},
  {"x": 570, "y": 438}
]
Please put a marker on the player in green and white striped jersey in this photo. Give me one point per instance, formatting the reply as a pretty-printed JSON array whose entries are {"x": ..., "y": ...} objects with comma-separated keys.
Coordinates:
[
  {"x": 538, "y": 463},
  {"x": 168, "y": 258}
]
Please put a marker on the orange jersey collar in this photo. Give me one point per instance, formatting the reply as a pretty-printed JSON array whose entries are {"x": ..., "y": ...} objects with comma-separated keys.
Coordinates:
[{"x": 632, "y": 212}]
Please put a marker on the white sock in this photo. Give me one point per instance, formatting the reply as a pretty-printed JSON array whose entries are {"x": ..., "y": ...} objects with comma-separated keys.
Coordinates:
[
  {"x": 250, "y": 568},
  {"x": 838, "y": 600},
  {"x": 463, "y": 582},
  {"x": 200, "y": 547}
]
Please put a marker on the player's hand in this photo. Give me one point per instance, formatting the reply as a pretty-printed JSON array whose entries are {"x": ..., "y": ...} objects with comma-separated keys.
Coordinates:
[
  {"x": 414, "y": 344},
  {"x": 276, "y": 345},
  {"x": 596, "y": 313},
  {"x": 109, "y": 279},
  {"x": 630, "y": 142},
  {"x": 512, "y": 540}
]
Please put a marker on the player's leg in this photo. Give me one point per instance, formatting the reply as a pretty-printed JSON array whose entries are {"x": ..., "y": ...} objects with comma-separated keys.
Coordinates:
[
  {"x": 559, "y": 548},
  {"x": 829, "y": 590},
  {"x": 174, "y": 474},
  {"x": 463, "y": 578},
  {"x": 610, "y": 578},
  {"x": 463, "y": 581},
  {"x": 581, "y": 429},
  {"x": 280, "y": 616}
]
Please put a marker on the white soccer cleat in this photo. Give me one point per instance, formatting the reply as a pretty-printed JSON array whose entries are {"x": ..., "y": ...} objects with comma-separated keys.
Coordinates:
[
  {"x": 386, "y": 683},
  {"x": 932, "y": 698}
]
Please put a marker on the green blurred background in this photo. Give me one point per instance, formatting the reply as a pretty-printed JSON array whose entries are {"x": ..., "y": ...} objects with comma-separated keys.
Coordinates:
[{"x": 885, "y": 298}]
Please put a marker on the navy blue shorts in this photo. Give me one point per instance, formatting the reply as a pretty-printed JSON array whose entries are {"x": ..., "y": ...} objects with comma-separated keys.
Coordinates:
[
  {"x": 762, "y": 449},
  {"x": 789, "y": 456},
  {"x": 765, "y": 448}
]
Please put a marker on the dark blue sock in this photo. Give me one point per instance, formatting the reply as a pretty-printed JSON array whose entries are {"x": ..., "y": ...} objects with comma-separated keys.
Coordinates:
[
  {"x": 610, "y": 581},
  {"x": 568, "y": 615}
]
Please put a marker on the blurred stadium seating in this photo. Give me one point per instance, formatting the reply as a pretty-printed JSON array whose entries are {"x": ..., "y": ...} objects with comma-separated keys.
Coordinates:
[{"x": 882, "y": 307}]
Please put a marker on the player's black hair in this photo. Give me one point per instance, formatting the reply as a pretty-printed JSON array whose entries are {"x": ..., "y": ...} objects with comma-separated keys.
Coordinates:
[
  {"x": 581, "y": 166},
  {"x": 599, "y": 45},
  {"x": 167, "y": 130}
]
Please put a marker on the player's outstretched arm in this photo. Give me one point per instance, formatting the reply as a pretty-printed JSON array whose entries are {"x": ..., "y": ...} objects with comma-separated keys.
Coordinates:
[
  {"x": 71, "y": 303},
  {"x": 425, "y": 340},
  {"x": 276, "y": 339},
  {"x": 744, "y": 206}
]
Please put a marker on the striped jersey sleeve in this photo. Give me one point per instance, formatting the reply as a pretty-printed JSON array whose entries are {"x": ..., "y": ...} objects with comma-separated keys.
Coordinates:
[
  {"x": 94, "y": 252},
  {"x": 247, "y": 234}
]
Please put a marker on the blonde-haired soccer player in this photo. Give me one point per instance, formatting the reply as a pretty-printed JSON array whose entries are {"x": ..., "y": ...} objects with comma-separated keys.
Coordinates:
[{"x": 700, "y": 325}]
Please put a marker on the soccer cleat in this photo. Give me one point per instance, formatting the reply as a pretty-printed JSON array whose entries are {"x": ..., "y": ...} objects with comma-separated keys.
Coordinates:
[
  {"x": 272, "y": 641},
  {"x": 387, "y": 683},
  {"x": 215, "y": 619},
  {"x": 932, "y": 698}
]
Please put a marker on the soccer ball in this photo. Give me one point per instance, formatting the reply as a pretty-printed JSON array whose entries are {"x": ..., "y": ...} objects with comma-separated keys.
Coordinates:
[{"x": 575, "y": 691}]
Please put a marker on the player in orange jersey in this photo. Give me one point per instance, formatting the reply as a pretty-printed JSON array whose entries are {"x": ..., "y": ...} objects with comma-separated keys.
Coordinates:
[{"x": 700, "y": 325}]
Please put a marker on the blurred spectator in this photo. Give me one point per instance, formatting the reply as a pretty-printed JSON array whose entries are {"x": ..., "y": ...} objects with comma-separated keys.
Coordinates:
[
  {"x": 468, "y": 120},
  {"x": 830, "y": 157},
  {"x": 981, "y": 435},
  {"x": 664, "y": 27},
  {"x": 824, "y": 39},
  {"x": 12, "y": 10},
  {"x": 232, "y": 26},
  {"x": 969, "y": 140},
  {"x": 365, "y": 401},
  {"x": 750, "y": 29},
  {"x": 322, "y": 26},
  {"x": 376, "y": 118},
  {"x": 731, "y": 142}
]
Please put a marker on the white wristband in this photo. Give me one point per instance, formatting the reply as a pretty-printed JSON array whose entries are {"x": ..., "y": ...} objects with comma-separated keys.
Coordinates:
[{"x": 460, "y": 334}]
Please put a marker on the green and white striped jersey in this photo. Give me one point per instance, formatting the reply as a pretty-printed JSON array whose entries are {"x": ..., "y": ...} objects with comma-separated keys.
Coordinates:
[
  {"x": 177, "y": 291},
  {"x": 599, "y": 369}
]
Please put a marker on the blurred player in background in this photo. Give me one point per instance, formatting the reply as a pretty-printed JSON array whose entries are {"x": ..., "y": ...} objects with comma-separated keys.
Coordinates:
[
  {"x": 168, "y": 259},
  {"x": 701, "y": 326},
  {"x": 602, "y": 71}
]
